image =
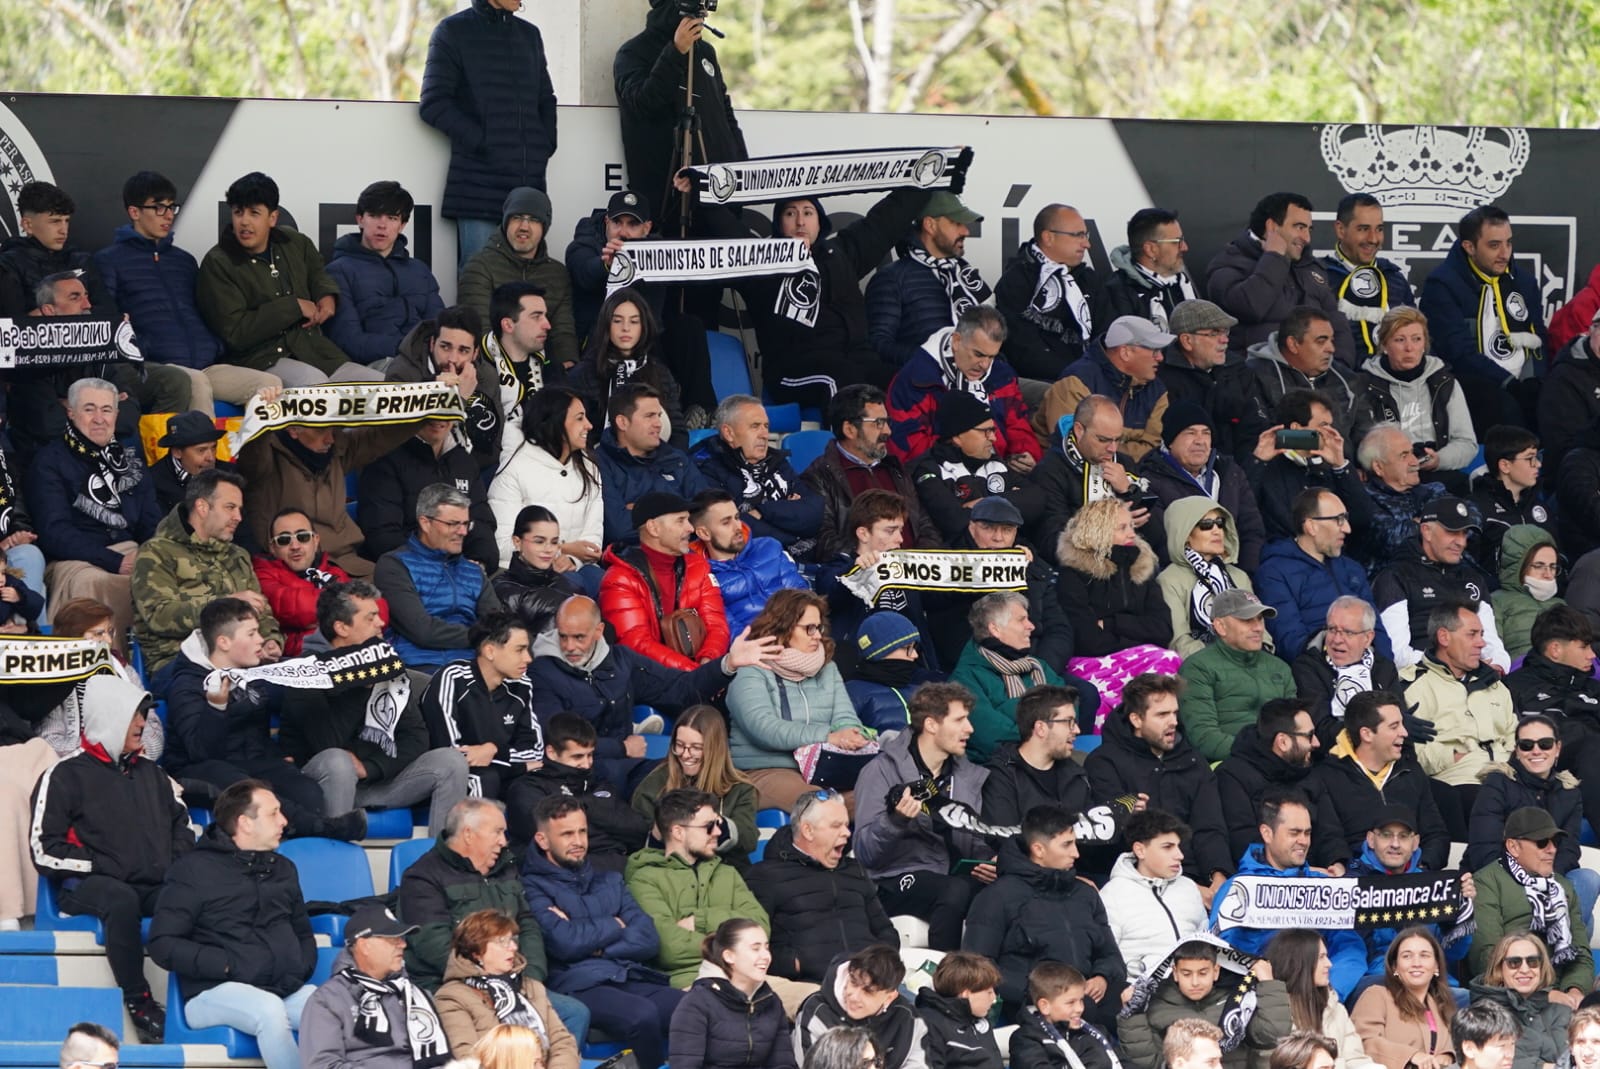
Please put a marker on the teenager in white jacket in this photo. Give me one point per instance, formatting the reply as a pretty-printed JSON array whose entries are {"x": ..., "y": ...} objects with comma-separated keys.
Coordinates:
[{"x": 1150, "y": 904}]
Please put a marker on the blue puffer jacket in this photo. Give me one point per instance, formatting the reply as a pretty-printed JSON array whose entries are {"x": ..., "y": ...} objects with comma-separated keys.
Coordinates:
[
  {"x": 67, "y": 533},
  {"x": 906, "y": 304},
  {"x": 761, "y": 569},
  {"x": 781, "y": 519},
  {"x": 449, "y": 587},
  {"x": 1378, "y": 939},
  {"x": 880, "y": 706},
  {"x": 153, "y": 283},
  {"x": 1394, "y": 521},
  {"x": 487, "y": 87},
  {"x": 1451, "y": 299},
  {"x": 589, "y": 948},
  {"x": 383, "y": 298},
  {"x": 1301, "y": 588},
  {"x": 625, "y": 478}
]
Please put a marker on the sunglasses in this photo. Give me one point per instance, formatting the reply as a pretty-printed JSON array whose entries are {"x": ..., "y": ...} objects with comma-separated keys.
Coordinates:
[
  {"x": 1528, "y": 745},
  {"x": 1210, "y": 524},
  {"x": 292, "y": 536},
  {"x": 1532, "y": 961},
  {"x": 1541, "y": 844}
]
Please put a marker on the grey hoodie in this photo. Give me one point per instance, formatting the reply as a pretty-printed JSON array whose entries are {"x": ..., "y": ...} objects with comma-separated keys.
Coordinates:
[{"x": 1273, "y": 377}]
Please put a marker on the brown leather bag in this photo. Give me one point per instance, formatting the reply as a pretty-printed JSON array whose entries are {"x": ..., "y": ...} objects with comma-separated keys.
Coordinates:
[{"x": 683, "y": 632}]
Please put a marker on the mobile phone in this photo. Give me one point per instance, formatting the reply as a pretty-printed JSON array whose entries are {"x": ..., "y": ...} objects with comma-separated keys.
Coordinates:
[
  {"x": 1148, "y": 501},
  {"x": 1306, "y": 439},
  {"x": 965, "y": 865}
]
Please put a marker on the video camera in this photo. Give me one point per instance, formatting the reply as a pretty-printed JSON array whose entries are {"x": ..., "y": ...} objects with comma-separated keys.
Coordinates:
[{"x": 696, "y": 9}]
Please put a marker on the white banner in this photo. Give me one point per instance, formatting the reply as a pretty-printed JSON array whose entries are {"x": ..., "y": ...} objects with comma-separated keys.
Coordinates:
[
  {"x": 52, "y": 660},
  {"x": 348, "y": 404},
  {"x": 706, "y": 260},
  {"x": 976, "y": 571},
  {"x": 775, "y": 178}
]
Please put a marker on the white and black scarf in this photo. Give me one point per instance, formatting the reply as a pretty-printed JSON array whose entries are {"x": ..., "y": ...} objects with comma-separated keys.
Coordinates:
[
  {"x": 1064, "y": 1045},
  {"x": 1349, "y": 681},
  {"x": 1237, "y": 1009},
  {"x": 1171, "y": 291},
  {"x": 763, "y": 481},
  {"x": 1211, "y": 579},
  {"x": 954, "y": 379},
  {"x": 114, "y": 471},
  {"x": 8, "y": 498},
  {"x": 374, "y": 665},
  {"x": 424, "y": 1034},
  {"x": 317, "y": 577},
  {"x": 1057, "y": 289},
  {"x": 961, "y": 281},
  {"x": 511, "y": 1006},
  {"x": 1550, "y": 921},
  {"x": 1095, "y": 487},
  {"x": 623, "y": 371}
]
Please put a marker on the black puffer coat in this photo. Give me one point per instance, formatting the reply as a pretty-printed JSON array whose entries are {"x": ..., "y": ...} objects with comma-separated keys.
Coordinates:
[
  {"x": 1244, "y": 777},
  {"x": 956, "y": 1039},
  {"x": 532, "y": 594},
  {"x": 1509, "y": 787},
  {"x": 717, "y": 1027}
]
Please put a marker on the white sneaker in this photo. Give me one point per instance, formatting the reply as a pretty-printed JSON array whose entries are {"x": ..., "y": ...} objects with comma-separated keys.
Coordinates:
[
  {"x": 10, "y": 924},
  {"x": 651, "y": 725}
]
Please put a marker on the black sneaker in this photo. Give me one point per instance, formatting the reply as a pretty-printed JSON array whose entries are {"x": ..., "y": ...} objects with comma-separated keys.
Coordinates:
[
  {"x": 148, "y": 1015},
  {"x": 351, "y": 826}
]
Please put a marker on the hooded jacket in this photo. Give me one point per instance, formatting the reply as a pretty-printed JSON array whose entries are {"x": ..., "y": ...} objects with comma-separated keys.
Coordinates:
[
  {"x": 1040, "y": 346},
  {"x": 1149, "y": 915},
  {"x": 384, "y": 297},
  {"x": 1455, "y": 300},
  {"x": 227, "y": 915},
  {"x": 781, "y": 519},
  {"x": 956, "y": 1038},
  {"x": 1357, "y": 795},
  {"x": 626, "y": 478},
  {"x": 531, "y": 475},
  {"x": 496, "y": 264},
  {"x": 1031, "y": 914},
  {"x": 54, "y": 481},
  {"x": 717, "y": 1026},
  {"x": 889, "y": 845},
  {"x": 239, "y": 733},
  {"x": 1430, "y": 406},
  {"x": 898, "y": 1033},
  {"x": 758, "y": 571},
  {"x": 1111, "y": 598},
  {"x": 1142, "y": 404},
  {"x": 631, "y": 602},
  {"x": 434, "y": 597},
  {"x": 913, "y": 404},
  {"x": 1515, "y": 607},
  {"x": 1246, "y": 776},
  {"x": 588, "y": 272},
  {"x": 467, "y": 1013},
  {"x": 1261, "y": 288},
  {"x": 1509, "y": 786},
  {"x": 1502, "y": 907},
  {"x": 103, "y": 812},
  {"x": 588, "y": 947},
  {"x": 1571, "y": 321},
  {"x": 1178, "y": 580},
  {"x": 828, "y": 477},
  {"x": 1142, "y": 1033},
  {"x": 153, "y": 282},
  {"x": 386, "y": 499},
  {"x": 1271, "y": 377},
  {"x": 818, "y": 914},
  {"x": 670, "y": 889},
  {"x": 1568, "y": 403},
  {"x": 252, "y": 302},
  {"x": 486, "y": 86},
  {"x": 1473, "y": 717},
  {"x": 906, "y": 305},
  {"x": 440, "y": 889},
  {"x": 994, "y": 717},
  {"x": 534, "y": 594},
  {"x": 1301, "y": 588},
  {"x": 1224, "y": 482},
  {"x": 25, "y": 262},
  {"x": 1227, "y": 688},
  {"x": 1131, "y": 291},
  {"x": 1544, "y": 1024}
]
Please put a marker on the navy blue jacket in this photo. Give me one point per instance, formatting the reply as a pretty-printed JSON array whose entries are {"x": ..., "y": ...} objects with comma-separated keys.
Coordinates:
[
  {"x": 383, "y": 298},
  {"x": 1365, "y": 335},
  {"x": 906, "y": 303},
  {"x": 67, "y": 533},
  {"x": 487, "y": 87},
  {"x": 588, "y": 273},
  {"x": 197, "y": 731},
  {"x": 153, "y": 283},
  {"x": 781, "y": 519},
  {"x": 1450, "y": 300},
  {"x": 1301, "y": 588},
  {"x": 625, "y": 478},
  {"x": 589, "y": 948}
]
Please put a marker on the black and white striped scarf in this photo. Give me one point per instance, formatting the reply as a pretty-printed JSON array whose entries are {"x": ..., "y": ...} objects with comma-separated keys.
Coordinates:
[
  {"x": 511, "y": 1006},
  {"x": 1549, "y": 919},
  {"x": 424, "y": 1034},
  {"x": 1211, "y": 579}
]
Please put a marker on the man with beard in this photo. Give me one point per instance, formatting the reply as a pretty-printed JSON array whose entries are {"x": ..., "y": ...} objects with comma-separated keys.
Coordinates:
[
  {"x": 748, "y": 568},
  {"x": 1303, "y": 575},
  {"x": 741, "y": 460},
  {"x": 191, "y": 445},
  {"x": 445, "y": 349},
  {"x": 1366, "y": 285},
  {"x": 1039, "y": 770},
  {"x": 930, "y": 286},
  {"x": 517, "y": 252},
  {"x": 1342, "y": 661},
  {"x": 515, "y": 346},
  {"x": 292, "y": 574},
  {"x": 1052, "y": 297},
  {"x": 1148, "y": 275},
  {"x": 1275, "y": 754}
]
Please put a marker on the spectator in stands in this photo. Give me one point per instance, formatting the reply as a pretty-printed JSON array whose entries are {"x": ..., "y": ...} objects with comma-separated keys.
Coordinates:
[
  {"x": 1085, "y": 465},
  {"x": 1578, "y": 499},
  {"x": 369, "y": 1012},
  {"x": 862, "y": 991},
  {"x": 1521, "y": 891},
  {"x": 1194, "y": 368},
  {"x": 685, "y": 887},
  {"x": 822, "y": 904},
  {"x": 191, "y": 445},
  {"x": 1556, "y": 679},
  {"x": 1408, "y": 590},
  {"x": 17, "y": 532},
  {"x": 231, "y": 923},
  {"x": 598, "y": 236},
  {"x": 62, "y": 727},
  {"x": 857, "y": 460},
  {"x": 447, "y": 349},
  {"x": 955, "y": 1011},
  {"x": 1567, "y": 404},
  {"x": 153, "y": 282},
  {"x": 515, "y": 342},
  {"x": 1399, "y": 1021},
  {"x": 635, "y": 459},
  {"x": 1124, "y": 367},
  {"x": 1188, "y": 465},
  {"x": 1515, "y": 985},
  {"x": 483, "y": 707},
  {"x": 648, "y": 585},
  {"x": 487, "y": 984},
  {"x": 1149, "y": 903},
  {"x": 271, "y": 324},
  {"x": 887, "y": 671},
  {"x": 1040, "y": 769},
  {"x": 1490, "y": 356},
  {"x": 747, "y": 568},
  {"x": 222, "y": 726},
  {"x": 575, "y": 905},
  {"x": 731, "y": 1016},
  {"x": 350, "y": 750},
  {"x": 1278, "y": 474},
  {"x": 1285, "y": 841},
  {"x": 998, "y": 666},
  {"x": 541, "y": 577},
  {"x": 1367, "y": 286},
  {"x": 697, "y": 760},
  {"x": 386, "y": 502},
  {"x": 518, "y": 252},
  {"x": 1341, "y": 661},
  {"x": 1267, "y": 272},
  {"x": 1120, "y": 623},
  {"x": 625, "y": 347},
  {"x": 190, "y": 561},
  {"x": 963, "y": 467},
  {"x": 1051, "y": 1031},
  {"x": 1144, "y": 753},
  {"x": 291, "y": 576},
  {"x": 964, "y": 358},
  {"x": 550, "y": 466},
  {"x": 107, "y": 826},
  {"x": 1529, "y": 566},
  {"x": 741, "y": 461},
  {"x": 386, "y": 292},
  {"x": 1300, "y": 959},
  {"x": 1405, "y": 384},
  {"x": 1053, "y": 299},
  {"x": 1275, "y": 754},
  {"x": 1148, "y": 276},
  {"x": 88, "y": 1045},
  {"x": 797, "y": 699},
  {"x": 1203, "y": 545},
  {"x": 23, "y": 759},
  {"x": 614, "y": 830},
  {"x": 1230, "y": 679},
  {"x": 1299, "y": 356},
  {"x": 915, "y": 860},
  {"x": 1199, "y": 989},
  {"x": 1393, "y": 846},
  {"x": 20, "y": 606},
  {"x": 1303, "y": 575},
  {"x": 1037, "y": 909},
  {"x": 1508, "y": 493},
  {"x": 877, "y": 520},
  {"x": 930, "y": 287},
  {"x": 93, "y": 504},
  {"x": 434, "y": 592},
  {"x": 1398, "y": 495}
]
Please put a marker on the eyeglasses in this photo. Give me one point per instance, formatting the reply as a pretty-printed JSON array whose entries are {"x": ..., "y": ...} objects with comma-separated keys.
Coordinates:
[
  {"x": 1548, "y": 742},
  {"x": 987, "y": 432},
  {"x": 688, "y": 747},
  {"x": 1307, "y": 735},
  {"x": 708, "y": 827},
  {"x": 454, "y": 525},
  {"x": 811, "y": 629},
  {"x": 1079, "y": 234},
  {"x": 1165, "y": 241},
  {"x": 1342, "y": 519},
  {"x": 1536, "y": 457},
  {"x": 285, "y": 537},
  {"x": 874, "y": 421},
  {"x": 162, "y": 209},
  {"x": 1214, "y": 335},
  {"x": 509, "y": 942},
  {"x": 1072, "y": 720},
  {"x": 1403, "y": 835},
  {"x": 1343, "y": 632},
  {"x": 1211, "y": 524},
  {"x": 1532, "y": 961}
]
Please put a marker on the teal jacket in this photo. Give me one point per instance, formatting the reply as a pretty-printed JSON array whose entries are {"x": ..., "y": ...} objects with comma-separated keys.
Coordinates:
[{"x": 994, "y": 717}]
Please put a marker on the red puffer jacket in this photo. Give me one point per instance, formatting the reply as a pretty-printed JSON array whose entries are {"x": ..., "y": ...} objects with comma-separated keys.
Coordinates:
[
  {"x": 629, "y": 604},
  {"x": 293, "y": 598}
]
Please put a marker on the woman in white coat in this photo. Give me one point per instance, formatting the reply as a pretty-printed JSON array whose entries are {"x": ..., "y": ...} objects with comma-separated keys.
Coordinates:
[{"x": 551, "y": 467}]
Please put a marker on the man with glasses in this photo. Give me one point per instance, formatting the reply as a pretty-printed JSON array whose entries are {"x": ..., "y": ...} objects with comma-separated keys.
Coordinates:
[
  {"x": 1340, "y": 662},
  {"x": 1521, "y": 891},
  {"x": 1393, "y": 847},
  {"x": 1053, "y": 299},
  {"x": 1189, "y": 464},
  {"x": 435, "y": 593},
  {"x": 1039, "y": 770},
  {"x": 1303, "y": 575},
  {"x": 153, "y": 281},
  {"x": 291, "y": 574},
  {"x": 1275, "y": 753},
  {"x": 964, "y": 469},
  {"x": 1507, "y": 495},
  {"x": 1148, "y": 277},
  {"x": 1123, "y": 366},
  {"x": 89, "y": 1046}
]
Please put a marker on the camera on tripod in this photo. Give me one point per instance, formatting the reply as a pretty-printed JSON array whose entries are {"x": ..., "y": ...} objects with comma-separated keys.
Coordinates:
[{"x": 696, "y": 9}]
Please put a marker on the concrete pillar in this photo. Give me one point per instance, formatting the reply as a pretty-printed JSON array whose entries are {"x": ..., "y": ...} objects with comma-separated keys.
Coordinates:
[{"x": 581, "y": 38}]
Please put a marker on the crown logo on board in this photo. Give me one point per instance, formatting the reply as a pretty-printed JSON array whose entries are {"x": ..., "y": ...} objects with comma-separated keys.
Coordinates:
[{"x": 1426, "y": 165}]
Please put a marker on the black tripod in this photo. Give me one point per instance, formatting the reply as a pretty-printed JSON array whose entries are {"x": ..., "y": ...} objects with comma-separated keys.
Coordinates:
[{"x": 689, "y": 138}]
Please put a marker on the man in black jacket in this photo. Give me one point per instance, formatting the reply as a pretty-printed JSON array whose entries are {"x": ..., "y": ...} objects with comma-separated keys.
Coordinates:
[
  {"x": 1040, "y": 770},
  {"x": 1148, "y": 276},
  {"x": 1275, "y": 754},
  {"x": 1086, "y": 465},
  {"x": 191, "y": 445},
  {"x": 1194, "y": 368},
  {"x": 231, "y": 923},
  {"x": 1277, "y": 475},
  {"x": 597, "y": 237},
  {"x": 386, "y": 504},
  {"x": 963, "y": 470},
  {"x": 615, "y": 828},
  {"x": 486, "y": 86},
  {"x": 1556, "y": 679},
  {"x": 107, "y": 825},
  {"x": 1507, "y": 495},
  {"x": 1144, "y": 752},
  {"x": 1053, "y": 299},
  {"x": 484, "y": 707}
]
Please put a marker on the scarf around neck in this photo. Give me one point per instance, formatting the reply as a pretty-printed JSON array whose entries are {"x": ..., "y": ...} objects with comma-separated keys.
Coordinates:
[
  {"x": 796, "y": 666},
  {"x": 424, "y": 1035},
  {"x": 375, "y": 666},
  {"x": 1349, "y": 681},
  {"x": 1211, "y": 579},
  {"x": 962, "y": 284},
  {"x": 1095, "y": 487},
  {"x": 113, "y": 472},
  {"x": 1062, "y": 1044},
  {"x": 1019, "y": 671},
  {"x": 954, "y": 380},
  {"x": 1549, "y": 919},
  {"x": 511, "y": 1006},
  {"x": 1054, "y": 290},
  {"x": 8, "y": 498}
]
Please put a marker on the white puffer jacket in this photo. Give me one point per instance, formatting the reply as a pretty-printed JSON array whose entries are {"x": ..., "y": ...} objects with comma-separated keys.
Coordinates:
[
  {"x": 1149, "y": 916},
  {"x": 529, "y": 475}
]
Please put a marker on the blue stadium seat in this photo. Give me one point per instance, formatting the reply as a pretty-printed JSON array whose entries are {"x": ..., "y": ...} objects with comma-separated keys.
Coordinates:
[
  {"x": 1087, "y": 743},
  {"x": 698, "y": 436},
  {"x": 224, "y": 410},
  {"x": 44, "y": 1055},
  {"x": 39, "y": 1014},
  {"x": 136, "y": 658},
  {"x": 806, "y": 446},
  {"x": 389, "y": 823},
  {"x": 600, "y": 1050},
  {"x": 656, "y": 746},
  {"x": 783, "y": 419},
  {"x": 50, "y": 918},
  {"x": 401, "y": 857},
  {"x": 1586, "y": 836},
  {"x": 326, "y": 956},
  {"x": 28, "y": 969},
  {"x": 199, "y": 816},
  {"x": 237, "y": 1043},
  {"x": 330, "y": 871},
  {"x": 759, "y": 852},
  {"x": 771, "y": 818},
  {"x": 730, "y": 368}
]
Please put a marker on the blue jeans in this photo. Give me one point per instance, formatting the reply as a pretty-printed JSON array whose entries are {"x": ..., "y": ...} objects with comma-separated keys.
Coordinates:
[
  {"x": 472, "y": 235},
  {"x": 272, "y": 1020},
  {"x": 1587, "y": 883},
  {"x": 574, "y": 1015},
  {"x": 27, "y": 559}
]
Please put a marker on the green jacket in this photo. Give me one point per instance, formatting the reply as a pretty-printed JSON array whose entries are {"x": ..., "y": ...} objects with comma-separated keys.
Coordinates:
[
  {"x": 1502, "y": 906},
  {"x": 1142, "y": 1033},
  {"x": 174, "y": 577},
  {"x": 669, "y": 889},
  {"x": 1226, "y": 689},
  {"x": 737, "y": 809},
  {"x": 256, "y": 314},
  {"x": 994, "y": 718},
  {"x": 1514, "y": 608},
  {"x": 495, "y": 264}
]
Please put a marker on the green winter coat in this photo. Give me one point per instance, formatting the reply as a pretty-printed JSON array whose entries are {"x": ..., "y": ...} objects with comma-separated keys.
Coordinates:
[
  {"x": 1226, "y": 689},
  {"x": 175, "y": 576},
  {"x": 1502, "y": 907},
  {"x": 257, "y": 315},
  {"x": 495, "y": 264},
  {"x": 669, "y": 889},
  {"x": 1142, "y": 1033},
  {"x": 1514, "y": 608},
  {"x": 1177, "y": 580},
  {"x": 994, "y": 718}
]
